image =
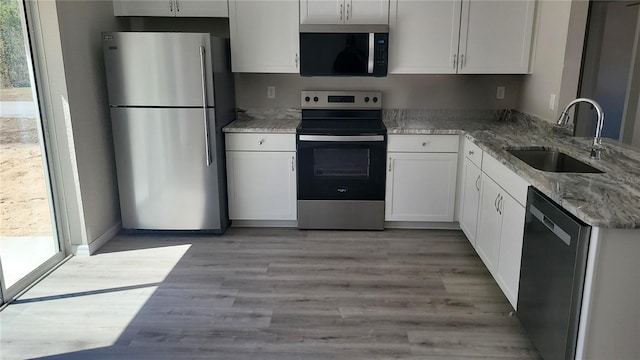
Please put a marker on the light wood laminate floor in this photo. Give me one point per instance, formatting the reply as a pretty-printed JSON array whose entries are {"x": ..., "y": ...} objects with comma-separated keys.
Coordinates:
[{"x": 269, "y": 294}]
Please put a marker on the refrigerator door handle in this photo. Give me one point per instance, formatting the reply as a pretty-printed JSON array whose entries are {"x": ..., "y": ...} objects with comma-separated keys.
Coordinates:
[{"x": 207, "y": 146}]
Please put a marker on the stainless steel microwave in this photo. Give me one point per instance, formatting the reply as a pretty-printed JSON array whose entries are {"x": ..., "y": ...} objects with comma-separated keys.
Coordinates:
[{"x": 344, "y": 50}]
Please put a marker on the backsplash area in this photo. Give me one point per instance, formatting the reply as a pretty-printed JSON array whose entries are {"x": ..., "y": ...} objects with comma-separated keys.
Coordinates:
[{"x": 399, "y": 91}]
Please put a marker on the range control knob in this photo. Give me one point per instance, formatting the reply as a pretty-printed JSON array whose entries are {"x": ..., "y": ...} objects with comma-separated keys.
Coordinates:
[
  {"x": 375, "y": 99},
  {"x": 307, "y": 99},
  {"x": 315, "y": 98},
  {"x": 366, "y": 99}
]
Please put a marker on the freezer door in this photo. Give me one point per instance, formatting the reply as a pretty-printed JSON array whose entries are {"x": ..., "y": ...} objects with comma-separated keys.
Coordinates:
[
  {"x": 158, "y": 69},
  {"x": 163, "y": 176}
]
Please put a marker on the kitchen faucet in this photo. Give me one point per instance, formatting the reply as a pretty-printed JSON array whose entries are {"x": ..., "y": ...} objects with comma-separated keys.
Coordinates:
[{"x": 596, "y": 148}]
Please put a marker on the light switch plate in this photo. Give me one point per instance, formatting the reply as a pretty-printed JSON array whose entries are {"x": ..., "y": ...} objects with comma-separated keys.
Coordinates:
[
  {"x": 500, "y": 92},
  {"x": 271, "y": 92}
]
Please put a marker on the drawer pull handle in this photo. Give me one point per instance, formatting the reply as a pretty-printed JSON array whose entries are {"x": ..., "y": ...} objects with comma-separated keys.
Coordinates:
[
  {"x": 261, "y": 142},
  {"x": 471, "y": 152},
  {"x": 424, "y": 144}
]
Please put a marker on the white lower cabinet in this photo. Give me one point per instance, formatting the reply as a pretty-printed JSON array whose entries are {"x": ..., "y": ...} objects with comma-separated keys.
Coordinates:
[
  {"x": 421, "y": 177},
  {"x": 500, "y": 232},
  {"x": 261, "y": 183},
  {"x": 508, "y": 276},
  {"x": 489, "y": 224},
  {"x": 421, "y": 186},
  {"x": 471, "y": 185}
]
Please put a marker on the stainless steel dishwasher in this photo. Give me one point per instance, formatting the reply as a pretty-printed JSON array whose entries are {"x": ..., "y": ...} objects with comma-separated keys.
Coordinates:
[{"x": 554, "y": 256}]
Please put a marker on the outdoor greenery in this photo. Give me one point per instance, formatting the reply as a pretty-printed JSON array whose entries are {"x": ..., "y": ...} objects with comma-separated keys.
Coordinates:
[{"x": 13, "y": 64}]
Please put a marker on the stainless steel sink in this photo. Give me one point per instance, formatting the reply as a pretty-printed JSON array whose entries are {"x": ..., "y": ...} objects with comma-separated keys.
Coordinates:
[{"x": 551, "y": 160}]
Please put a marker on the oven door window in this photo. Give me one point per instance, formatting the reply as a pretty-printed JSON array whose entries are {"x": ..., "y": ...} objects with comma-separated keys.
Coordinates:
[
  {"x": 341, "y": 171},
  {"x": 341, "y": 163}
]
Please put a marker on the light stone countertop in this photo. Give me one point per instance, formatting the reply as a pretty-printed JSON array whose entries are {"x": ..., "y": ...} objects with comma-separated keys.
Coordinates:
[
  {"x": 281, "y": 121},
  {"x": 609, "y": 200}
]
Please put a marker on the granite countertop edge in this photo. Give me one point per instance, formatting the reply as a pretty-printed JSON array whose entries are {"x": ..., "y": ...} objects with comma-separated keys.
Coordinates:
[{"x": 602, "y": 200}]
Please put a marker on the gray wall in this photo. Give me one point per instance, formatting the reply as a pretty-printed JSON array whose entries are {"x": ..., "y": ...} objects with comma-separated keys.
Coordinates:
[
  {"x": 557, "y": 55},
  {"x": 81, "y": 23},
  {"x": 399, "y": 91}
]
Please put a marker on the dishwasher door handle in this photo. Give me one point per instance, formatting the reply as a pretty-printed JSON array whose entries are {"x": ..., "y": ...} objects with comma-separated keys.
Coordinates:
[{"x": 555, "y": 229}]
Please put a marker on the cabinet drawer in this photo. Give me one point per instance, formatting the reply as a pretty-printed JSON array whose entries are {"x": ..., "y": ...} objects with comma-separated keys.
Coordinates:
[
  {"x": 423, "y": 143},
  {"x": 261, "y": 142},
  {"x": 507, "y": 179},
  {"x": 472, "y": 152}
]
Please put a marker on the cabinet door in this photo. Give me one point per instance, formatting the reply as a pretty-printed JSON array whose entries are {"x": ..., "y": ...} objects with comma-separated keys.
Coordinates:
[
  {"x": 202, "y": 8},
  {"x": 421, "y": 186},
  {"x": 495, "y": 36},
  {"x": 367, "y": 12},
  {"x": 489, "y": 224},
  {"x": 264, "y": 36},
  {"x": 261, "y": 185},
  {"x": 513, "y": 218},
  {"x": 143, "y": 7},
  {"x": 322, "y": 11},
  {"x": 423, "y": 36},
  {"x": 472, "y": 180}
]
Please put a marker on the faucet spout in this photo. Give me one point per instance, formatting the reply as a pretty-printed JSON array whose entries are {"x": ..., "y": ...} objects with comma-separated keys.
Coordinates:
[{"x": 597, "y": 139}]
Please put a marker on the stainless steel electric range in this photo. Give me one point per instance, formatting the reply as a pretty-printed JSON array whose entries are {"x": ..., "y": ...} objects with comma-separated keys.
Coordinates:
[{"x": 341, "y": 148}]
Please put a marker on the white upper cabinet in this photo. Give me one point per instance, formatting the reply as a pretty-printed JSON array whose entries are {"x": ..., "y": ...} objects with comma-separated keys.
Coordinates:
[
  {"x": 143, "y": 8},
  {"x": 495, "y": 36},
  {"x": 460, "y": 36},
  {"x": 170, "y": 8},
  {"x": 264, "y": 36},
  {"x": 335, "y": 12},
  {"x": 367, "y": 12},
  {"x": 423, "y": 36},
  {"x": 202, "y": 8}
]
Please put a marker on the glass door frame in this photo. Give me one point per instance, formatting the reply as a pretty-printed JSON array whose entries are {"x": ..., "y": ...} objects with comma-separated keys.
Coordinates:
[{"x": 38, "y": 72}]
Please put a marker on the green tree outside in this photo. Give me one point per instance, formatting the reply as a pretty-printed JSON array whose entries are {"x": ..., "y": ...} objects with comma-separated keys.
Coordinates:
[{"x": 14, "y": 71}]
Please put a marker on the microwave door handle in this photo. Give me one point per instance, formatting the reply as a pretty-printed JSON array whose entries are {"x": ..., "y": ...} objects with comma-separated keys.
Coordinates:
[{"x": 372, "y": 45}]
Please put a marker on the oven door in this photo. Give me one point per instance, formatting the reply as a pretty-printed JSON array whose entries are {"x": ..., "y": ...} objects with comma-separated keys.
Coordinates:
[{"x": 340, "y": 167}]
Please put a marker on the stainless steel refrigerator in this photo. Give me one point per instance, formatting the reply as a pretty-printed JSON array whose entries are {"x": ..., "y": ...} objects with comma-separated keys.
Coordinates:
[{"x": 170, "y": 94}]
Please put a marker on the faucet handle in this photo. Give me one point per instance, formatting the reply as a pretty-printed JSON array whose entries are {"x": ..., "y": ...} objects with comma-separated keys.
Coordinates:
[
  {"x": 596, "y": 149},
  {"x": 563, "y": 120}
]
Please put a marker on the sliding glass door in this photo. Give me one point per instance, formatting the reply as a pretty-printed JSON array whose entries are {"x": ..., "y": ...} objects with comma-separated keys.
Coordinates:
[{"x": 29, "y": 243}]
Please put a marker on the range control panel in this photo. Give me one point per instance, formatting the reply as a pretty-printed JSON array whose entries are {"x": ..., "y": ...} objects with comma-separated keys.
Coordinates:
[{"x": 370, "y": 100}]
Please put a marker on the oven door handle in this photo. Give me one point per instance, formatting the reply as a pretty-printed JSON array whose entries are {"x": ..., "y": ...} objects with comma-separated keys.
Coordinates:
[{"x": 342, "y": 138}]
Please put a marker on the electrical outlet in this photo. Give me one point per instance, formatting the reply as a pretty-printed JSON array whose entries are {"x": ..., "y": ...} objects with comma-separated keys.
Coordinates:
[
  {"x": 552, "y": 102},
  {"x": 271, "y": 92},
  {"x": 500, "y": 92}
]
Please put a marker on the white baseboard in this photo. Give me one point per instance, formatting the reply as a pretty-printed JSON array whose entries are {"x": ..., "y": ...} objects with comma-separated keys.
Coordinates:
[
  {"x": 421, "y": 225},
  {"x": 264, "y": 223},
  {"x": 90, "y": 249}
]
